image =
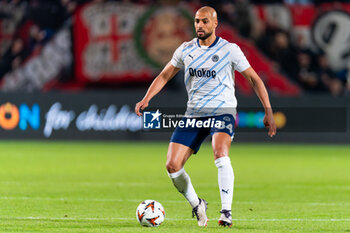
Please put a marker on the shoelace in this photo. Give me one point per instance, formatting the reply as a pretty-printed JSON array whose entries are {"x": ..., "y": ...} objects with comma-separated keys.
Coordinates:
[
  {"x": 227, "y": 213},
  {"x": 195, "y": 210}
]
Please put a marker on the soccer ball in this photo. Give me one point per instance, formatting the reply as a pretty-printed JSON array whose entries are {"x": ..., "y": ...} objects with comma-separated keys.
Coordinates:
[{"x": 150, "y": 213}]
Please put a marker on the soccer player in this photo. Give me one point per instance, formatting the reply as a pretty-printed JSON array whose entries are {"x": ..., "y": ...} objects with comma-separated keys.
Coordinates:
[{"x": 209, "y": 63}]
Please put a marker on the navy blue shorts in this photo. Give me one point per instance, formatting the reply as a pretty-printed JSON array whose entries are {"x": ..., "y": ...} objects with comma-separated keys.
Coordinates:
[{"x": 193, "y": 134}]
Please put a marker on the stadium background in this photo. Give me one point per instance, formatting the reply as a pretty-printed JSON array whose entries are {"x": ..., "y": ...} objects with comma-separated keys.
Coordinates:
[
  {"x": 66, "y": 58},
  {"x": 71, "y": 72}
]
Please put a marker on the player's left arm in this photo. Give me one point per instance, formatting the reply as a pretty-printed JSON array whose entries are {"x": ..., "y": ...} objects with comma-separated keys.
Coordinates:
[{"x": 260, "y": 89}]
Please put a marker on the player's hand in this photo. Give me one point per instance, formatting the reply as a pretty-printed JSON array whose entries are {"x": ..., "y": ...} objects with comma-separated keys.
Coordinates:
[
  {"x": 141, "y": 105},
  {"x": 269, "y": 123}
]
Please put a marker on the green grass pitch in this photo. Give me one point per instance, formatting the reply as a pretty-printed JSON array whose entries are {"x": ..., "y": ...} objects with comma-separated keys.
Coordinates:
[{"x": 96, "y": 187}]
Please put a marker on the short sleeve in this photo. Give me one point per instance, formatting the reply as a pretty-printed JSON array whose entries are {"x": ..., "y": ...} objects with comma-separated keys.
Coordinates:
[
  {"x": 238, "y": 59},
  {"x": 177, "y": 57}
]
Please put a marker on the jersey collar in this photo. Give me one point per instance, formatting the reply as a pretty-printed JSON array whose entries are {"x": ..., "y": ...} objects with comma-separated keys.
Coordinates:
[{"x": 212, "y": 45}]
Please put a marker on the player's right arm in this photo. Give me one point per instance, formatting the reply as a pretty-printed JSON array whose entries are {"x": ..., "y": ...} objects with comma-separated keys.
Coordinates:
[{"x": 157, "y": 85}]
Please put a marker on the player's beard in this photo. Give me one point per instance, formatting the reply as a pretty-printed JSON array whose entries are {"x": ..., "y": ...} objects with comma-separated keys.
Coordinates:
[{"x": 205, "y": 36}]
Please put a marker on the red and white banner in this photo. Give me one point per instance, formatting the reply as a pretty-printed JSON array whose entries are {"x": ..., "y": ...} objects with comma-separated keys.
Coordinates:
[{"x": 117, "y": 42}]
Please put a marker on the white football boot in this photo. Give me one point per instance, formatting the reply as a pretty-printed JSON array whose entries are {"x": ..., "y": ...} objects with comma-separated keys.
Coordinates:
[
  {"x": 200, "y": 211},
  {"x": 225, "y": 218}
]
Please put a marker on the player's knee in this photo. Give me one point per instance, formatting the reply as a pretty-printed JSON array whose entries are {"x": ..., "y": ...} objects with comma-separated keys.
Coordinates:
[
  {"x": 172, "y": 167},
  {"x": 220, "y": 152}
]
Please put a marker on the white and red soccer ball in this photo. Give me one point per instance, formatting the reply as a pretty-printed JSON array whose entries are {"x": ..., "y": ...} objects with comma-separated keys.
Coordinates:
[{"x": 150, "y": 213}]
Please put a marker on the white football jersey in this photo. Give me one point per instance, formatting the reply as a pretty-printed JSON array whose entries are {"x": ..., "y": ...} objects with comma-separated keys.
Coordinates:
[{"x": 209, "y": 76}]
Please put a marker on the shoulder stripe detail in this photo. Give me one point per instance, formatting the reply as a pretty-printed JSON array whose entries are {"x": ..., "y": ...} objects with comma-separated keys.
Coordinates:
[
  {"x": 194, "y": 47},
  {"x": 185, "y": 48}
]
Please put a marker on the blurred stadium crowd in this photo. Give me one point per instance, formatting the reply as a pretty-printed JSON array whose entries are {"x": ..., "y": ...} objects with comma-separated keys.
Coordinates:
[
  {"x": 32, "y": 23},
  {"x": 290, "y": 53}
]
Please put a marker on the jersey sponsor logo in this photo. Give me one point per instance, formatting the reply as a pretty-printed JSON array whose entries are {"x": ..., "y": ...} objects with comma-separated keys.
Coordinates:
[
  {"x": 202, "y": 72},
  {"x": 215, "y": 58}
]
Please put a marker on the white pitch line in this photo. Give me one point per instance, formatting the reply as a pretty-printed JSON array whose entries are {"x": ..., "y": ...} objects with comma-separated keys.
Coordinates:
[
  {"x": 79, "y": 199},
  {"x": 173, "y": 201},
  {"x": 214, "y": 185},
  {"x": 180, "y": 219},
  {"x": 295, "y": 220}
]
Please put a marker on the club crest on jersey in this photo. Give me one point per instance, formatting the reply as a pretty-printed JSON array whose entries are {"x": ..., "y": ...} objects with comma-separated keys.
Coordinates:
[
  {"x": 215, "y": 58},
  {"x": 202, "y": 72}
]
